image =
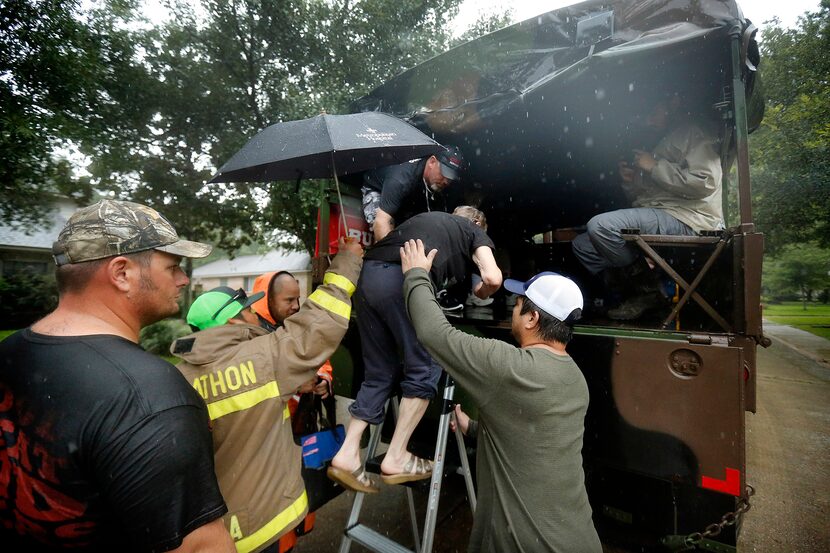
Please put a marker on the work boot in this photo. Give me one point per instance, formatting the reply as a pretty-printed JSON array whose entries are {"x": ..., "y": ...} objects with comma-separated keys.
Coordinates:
[
  {"x": 635, "y": 307},
  {"x": 615, "y": 280},
  {"x": 639, "y": 267}
]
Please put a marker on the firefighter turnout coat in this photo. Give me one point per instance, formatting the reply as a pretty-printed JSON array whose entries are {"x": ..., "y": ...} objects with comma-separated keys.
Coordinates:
[{"x": 246, "y": 377}]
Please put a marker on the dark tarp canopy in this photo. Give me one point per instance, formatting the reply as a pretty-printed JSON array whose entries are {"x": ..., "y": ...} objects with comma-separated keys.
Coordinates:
[{"x": 544, "y": 109}]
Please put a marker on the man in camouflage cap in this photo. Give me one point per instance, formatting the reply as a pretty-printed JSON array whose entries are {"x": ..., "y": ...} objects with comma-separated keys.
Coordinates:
[
  {"x": 110, "y": 227},
  {"x": 123, "y": 441}
]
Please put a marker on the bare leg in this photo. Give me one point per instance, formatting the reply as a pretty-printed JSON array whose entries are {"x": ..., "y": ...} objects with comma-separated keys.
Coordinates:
[
  {"x": 348, "y": 458},
  {"x": 410, "y": 413}
]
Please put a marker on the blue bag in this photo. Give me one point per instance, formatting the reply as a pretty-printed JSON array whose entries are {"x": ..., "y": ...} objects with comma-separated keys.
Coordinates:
[{"x": 320, "y": 447}]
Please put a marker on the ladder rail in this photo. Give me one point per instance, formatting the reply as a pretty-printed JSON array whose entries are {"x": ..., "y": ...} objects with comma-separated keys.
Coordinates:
[
  {"x": 373, "y": 540},
  {"x": 465, "y": 465},
  {"x": 354, "y": 515},
  {"x": 413, "y": 518},
  {"x": 438, "y": 467}
]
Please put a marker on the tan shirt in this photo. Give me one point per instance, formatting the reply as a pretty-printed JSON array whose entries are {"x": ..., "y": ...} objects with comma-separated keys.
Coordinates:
[
  {"x": 246, "y": 377},
  {"x": 687, "y": 180}
]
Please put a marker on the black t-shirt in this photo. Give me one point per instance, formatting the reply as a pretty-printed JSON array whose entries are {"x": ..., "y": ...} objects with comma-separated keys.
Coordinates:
[
  {"x": 403, "y": 192},
  {"x": 103, "y": 447},
  {"x": 455, "y": 238}
]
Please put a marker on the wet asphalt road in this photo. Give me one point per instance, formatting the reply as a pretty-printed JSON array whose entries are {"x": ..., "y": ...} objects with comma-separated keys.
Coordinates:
[
  {"x": 788, "y": 463},
  {"x": 788, "y": 456}
]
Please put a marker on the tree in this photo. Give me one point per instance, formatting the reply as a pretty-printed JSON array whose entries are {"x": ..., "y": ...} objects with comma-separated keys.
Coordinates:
[
  {"x": 200, "y": 86},
  {"x": 791, "y": 151},
  {"x": 799, "y": 270},
  {"x": 158, "y": 109},
  {"x": 484, "y": 24},
  {"x": 51, "y": 62}
]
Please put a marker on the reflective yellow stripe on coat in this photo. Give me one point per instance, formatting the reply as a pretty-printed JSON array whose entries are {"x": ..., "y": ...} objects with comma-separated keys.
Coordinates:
[
  {"x": 330, "y": 303},
  {"x": 274, "y": 526},
  {"x": 340, "y": 281},
  {"x": 243, "y": 401}
]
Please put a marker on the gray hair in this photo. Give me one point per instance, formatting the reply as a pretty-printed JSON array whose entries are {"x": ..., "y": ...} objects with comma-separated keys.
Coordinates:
[{"x": 475, "y": 215}]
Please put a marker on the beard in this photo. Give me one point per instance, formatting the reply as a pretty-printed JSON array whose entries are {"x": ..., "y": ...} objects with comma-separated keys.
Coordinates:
[{"x": 151, "y": 303}]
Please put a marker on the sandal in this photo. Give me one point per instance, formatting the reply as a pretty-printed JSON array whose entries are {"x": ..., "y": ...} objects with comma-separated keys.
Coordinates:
[
  {"x": 414, "y": 469},
  {"x": 357, "y": 480}
]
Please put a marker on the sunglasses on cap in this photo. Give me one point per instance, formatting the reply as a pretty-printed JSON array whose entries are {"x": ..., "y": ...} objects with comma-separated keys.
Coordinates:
[{"x": 238, "y": 295}]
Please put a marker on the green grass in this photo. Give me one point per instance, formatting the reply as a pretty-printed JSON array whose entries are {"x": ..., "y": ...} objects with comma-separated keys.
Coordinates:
[
  {"x": 5, "y": 334},
  {"x": 815, "y": 320}
]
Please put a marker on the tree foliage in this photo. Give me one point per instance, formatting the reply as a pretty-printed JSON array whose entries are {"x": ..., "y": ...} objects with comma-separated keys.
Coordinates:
[
  {"x": 25, "y": 297},
  {"x": 485, "y": 23},
  {"x": 797, "y": 272},
  {"x": 158, "y": 109},
  {"x": 221, "y": 71},
  {"x": 791, "y": 151},
  {"x": 51, "y": 62}
]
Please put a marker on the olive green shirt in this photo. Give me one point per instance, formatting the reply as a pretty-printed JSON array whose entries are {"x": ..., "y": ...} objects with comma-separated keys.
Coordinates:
[{"x": 532, "y": 404}]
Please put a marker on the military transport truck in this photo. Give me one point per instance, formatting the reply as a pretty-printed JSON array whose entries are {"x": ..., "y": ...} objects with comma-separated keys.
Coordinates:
[{"x": 544, "y": 110}]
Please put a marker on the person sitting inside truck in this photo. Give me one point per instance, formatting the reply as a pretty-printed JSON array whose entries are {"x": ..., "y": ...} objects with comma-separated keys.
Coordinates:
[
  {"x": 393, "y": 194},
  {"x": 532, "y": 403},
  {"x": 676, "y": 190},
  {"x": 385, "y": 330}
]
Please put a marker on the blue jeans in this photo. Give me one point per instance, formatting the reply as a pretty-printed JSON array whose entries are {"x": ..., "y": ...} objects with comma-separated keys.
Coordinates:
[
  {"x": 603, "y": 246},
  {"x": 385, "y": 329}
]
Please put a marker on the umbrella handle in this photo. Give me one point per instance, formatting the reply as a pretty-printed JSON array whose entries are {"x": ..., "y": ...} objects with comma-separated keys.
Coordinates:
[{"x": 339, "y": 197}]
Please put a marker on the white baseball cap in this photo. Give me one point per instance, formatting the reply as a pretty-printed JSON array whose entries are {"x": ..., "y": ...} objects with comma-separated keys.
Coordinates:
[{"x": 554, "y": 294}]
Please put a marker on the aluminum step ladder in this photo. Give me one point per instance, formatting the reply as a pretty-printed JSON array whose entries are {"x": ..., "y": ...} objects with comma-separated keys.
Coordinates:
[{"x": 373, "y": 540}]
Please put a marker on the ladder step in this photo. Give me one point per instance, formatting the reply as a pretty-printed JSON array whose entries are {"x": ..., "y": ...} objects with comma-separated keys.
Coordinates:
[
  {"x": 451, "y": 464},
  {"x": 370, "y": 539}
]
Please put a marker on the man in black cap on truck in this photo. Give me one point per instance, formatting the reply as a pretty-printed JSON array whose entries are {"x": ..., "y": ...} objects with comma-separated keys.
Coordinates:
[{"x": 393, "y": 194}]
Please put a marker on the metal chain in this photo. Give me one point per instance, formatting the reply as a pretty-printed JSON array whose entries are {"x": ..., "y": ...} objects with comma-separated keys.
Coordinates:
[{"x": 729, "y": 519}]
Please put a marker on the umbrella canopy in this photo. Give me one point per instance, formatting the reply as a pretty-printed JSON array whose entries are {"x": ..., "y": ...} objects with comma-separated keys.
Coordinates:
[{"x": 325, "y": 146}]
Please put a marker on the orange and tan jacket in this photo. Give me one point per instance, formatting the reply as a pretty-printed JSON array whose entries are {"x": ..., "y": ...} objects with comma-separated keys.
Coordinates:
[
  {"x": 260, "y": 307},
  {"x": 263, "y": 284},
  {"x": 246, "y": 377}
]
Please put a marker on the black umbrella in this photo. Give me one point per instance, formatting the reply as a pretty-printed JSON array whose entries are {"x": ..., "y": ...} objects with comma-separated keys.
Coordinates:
[{"x": 326, "y": 146}]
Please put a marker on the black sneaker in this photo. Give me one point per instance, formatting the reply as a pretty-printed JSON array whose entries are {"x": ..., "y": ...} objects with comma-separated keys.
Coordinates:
[{"x": 450, "y": 305}]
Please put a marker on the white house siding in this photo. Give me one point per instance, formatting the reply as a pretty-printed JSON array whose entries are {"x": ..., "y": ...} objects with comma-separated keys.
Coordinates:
[{"x": 241, "y": 272}]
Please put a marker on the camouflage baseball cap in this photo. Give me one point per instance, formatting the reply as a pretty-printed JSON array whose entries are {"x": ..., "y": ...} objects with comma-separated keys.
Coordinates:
[{"x": 111, "y": 227}]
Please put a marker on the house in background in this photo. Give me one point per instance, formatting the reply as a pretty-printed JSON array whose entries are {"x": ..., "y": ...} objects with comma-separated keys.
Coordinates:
[
  {"x": 241, "y": 272},
  {"x": 23, "y": 251}
]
